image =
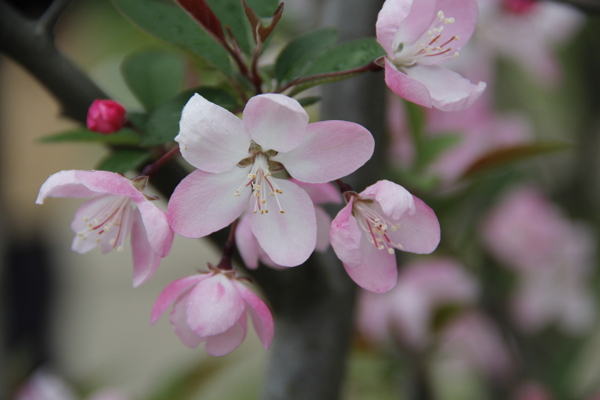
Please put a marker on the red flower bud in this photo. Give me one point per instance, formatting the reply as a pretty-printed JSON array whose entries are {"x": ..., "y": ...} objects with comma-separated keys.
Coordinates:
[{"x": 105, "y": 116}]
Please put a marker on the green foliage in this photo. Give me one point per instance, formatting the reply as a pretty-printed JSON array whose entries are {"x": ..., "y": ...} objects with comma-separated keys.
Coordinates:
[
  {"x": 163, "y": 124},
  {"x": 308, "y": 101},
  {"x": 347, "y": 56},
  {"x": 437, "y": 145},
  {"x": 301, "y": 52},
  {"x": 171, "y": 23},
  {"x": 122, "y": 137},
  {"x": 231, "y": 14},
  {"x": 154, "y": 76},
  {"x": 264, "y": 8},
  {"x": 123, "y": 160}
]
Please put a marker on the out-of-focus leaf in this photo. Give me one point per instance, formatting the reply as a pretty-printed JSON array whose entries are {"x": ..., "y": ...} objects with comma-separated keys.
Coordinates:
[
  {"x": 203, "y": 14},
  {"x": 123, "y": 160},
  {"x": 137, "y": 119},
  {"x": 123, "y": 137},
  {"x": 154, "y": 76},
  {"x": 232, "y": 14},
  {"x": 508, "y": 155},
  {"x": 263, "y": 8},
  {"x": 308, "y": 101},
  {"x": 346, "y": 56},
  {"x": 437, "y": 145},
  {"x": 163, "y": 124},
  {"x": 171, "y": 23},
  {"x": 300, "y": 53}
]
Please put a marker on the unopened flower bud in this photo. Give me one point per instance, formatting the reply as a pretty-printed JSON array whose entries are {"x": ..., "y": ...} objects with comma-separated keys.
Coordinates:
[{"x": 105, "y": 116}]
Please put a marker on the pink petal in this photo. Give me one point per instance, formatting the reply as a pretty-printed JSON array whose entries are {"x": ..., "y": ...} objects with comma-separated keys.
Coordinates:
[
  {"x": 224, "y": 343},
  {"x": 420, "y": 232},
  {"x": 204, "y": 202},
  {"x": 246, "y": 243},
  {"x": 64, "y": 184},
  {"x": 389, "y": 18},
  {"x": 395, "y": 201},
  {"x": 108, "y": 182},
  {"x": 330, "y": 150},
  {"x": 288, "y": 238},
  {"x": 275, "y": 121},
  {"x": 262, "y": 320},
  {"x": 416, "y": 23},
  {"x": 345, "y": 236},
  {"x": 213, "y": 306},
  {"x": 210, "y": 137},
  {"x": 465, "y": 13},
  {"x": 320, "y": 193},
  {"x": 406, "y": 87},
  {"x": 178, "y": 320},
  {"x": 448, "y": 90},
  {"x": 145, "y": 259},
  {"x": 323, "y": 225},
  {"x": 378, "y": 271},
  {"x": 159, "y": 233},
  {"x": 172, "y": 292}
]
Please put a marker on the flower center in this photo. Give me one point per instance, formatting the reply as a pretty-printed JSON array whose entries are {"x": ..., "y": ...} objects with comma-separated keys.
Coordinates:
[
  {"x": 375, "y": 226},
  {"x": 262, "y": 183},
  {"x": 433, "y": 43},
  {"x": 108, "y": 220}
]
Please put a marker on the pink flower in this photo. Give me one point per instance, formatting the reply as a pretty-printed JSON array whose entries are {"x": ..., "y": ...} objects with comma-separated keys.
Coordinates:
[
  {"x": 527, "y": 32},
  {"x": 374, "y": 223},
  {"x": 105, "y": 116},
  {"x": 236, "y": 160},
  {"x": 473, "y": 341},
  {"x": 211, "y": 307},
  {"x": 420, "y": 34},
  {"x": 319, "y": 193},
  {"x": 407, "y": 311},
  {"x": 118, "y": 207},
  {"x": 552, "y": 256}
]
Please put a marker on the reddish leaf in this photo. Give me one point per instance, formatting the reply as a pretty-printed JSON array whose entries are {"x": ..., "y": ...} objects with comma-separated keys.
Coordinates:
[
  {"x": 202, "y": 14},
  {"x": 260, "y": 33},
  {"x": 513, "y": 154}
]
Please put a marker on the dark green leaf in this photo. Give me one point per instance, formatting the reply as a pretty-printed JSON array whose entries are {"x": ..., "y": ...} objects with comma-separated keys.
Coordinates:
[
  {"x": 346, "y": 56},
  {"x": 137, "y": 119},
  {"x": 163, "y": 124},
  {"x": 154, "y": 76},
  {"x": 123, "y": 160},
  {"x": 310, "y": 100},
  {"x": 123, "y": 137},
  {"x": 437, "y": 145},
  {"x": 264, "y": 8},
  {"x": 300, "y": 53},
  {"x": 509, "y": 155},
  {"x": 232, "y": 14},
  {"x": 170, "y": 22}
]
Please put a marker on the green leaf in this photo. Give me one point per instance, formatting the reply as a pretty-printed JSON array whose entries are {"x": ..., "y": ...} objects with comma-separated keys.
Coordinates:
[
  {"x": 154, "y": 76},
  {"x": 264, "y": 8},
  {"x": 437, "y": 145},
  {"x": 347, "y": 56},
  {"x": 308, "y": 101},
  {"x": 163, "y": 124},
  {"x": 171, "y": 23},
  {"x": 122, "y": 137},
  {"x": 509, "y": 155},
  {"x": 300, "y": 53},
  {"x": 123, "y": 160},
  {"x": 232, "y": 14}
]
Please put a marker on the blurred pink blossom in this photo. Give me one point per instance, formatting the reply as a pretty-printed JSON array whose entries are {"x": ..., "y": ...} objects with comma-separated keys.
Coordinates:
[
  {"x": 552, "y": 256},
  {"x": 527, "y": 32},
  {"x": 532, "y": 391},
  {"x": 406, "y": 311},
  {"x": 472, "y": 340},
  {"x": 375, "y": 222},
  {"x": 212, "y": 307}
]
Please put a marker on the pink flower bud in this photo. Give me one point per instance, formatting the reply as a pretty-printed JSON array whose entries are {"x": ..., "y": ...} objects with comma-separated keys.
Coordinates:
[{"x": 105, "y": 116}]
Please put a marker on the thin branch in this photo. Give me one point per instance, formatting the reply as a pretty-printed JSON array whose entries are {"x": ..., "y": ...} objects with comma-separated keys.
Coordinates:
[{"x": 49, "y": 19}]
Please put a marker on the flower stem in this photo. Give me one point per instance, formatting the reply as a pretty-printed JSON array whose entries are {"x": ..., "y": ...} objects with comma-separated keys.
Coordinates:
[
  {"x": 151, "y": 169},
  {"x": 344, "y": 187},
  {"x": 228, "y": 247}
]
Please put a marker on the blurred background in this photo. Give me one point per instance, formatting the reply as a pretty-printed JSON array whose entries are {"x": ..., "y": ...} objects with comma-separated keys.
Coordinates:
[{"x": 507, "y": 308}]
